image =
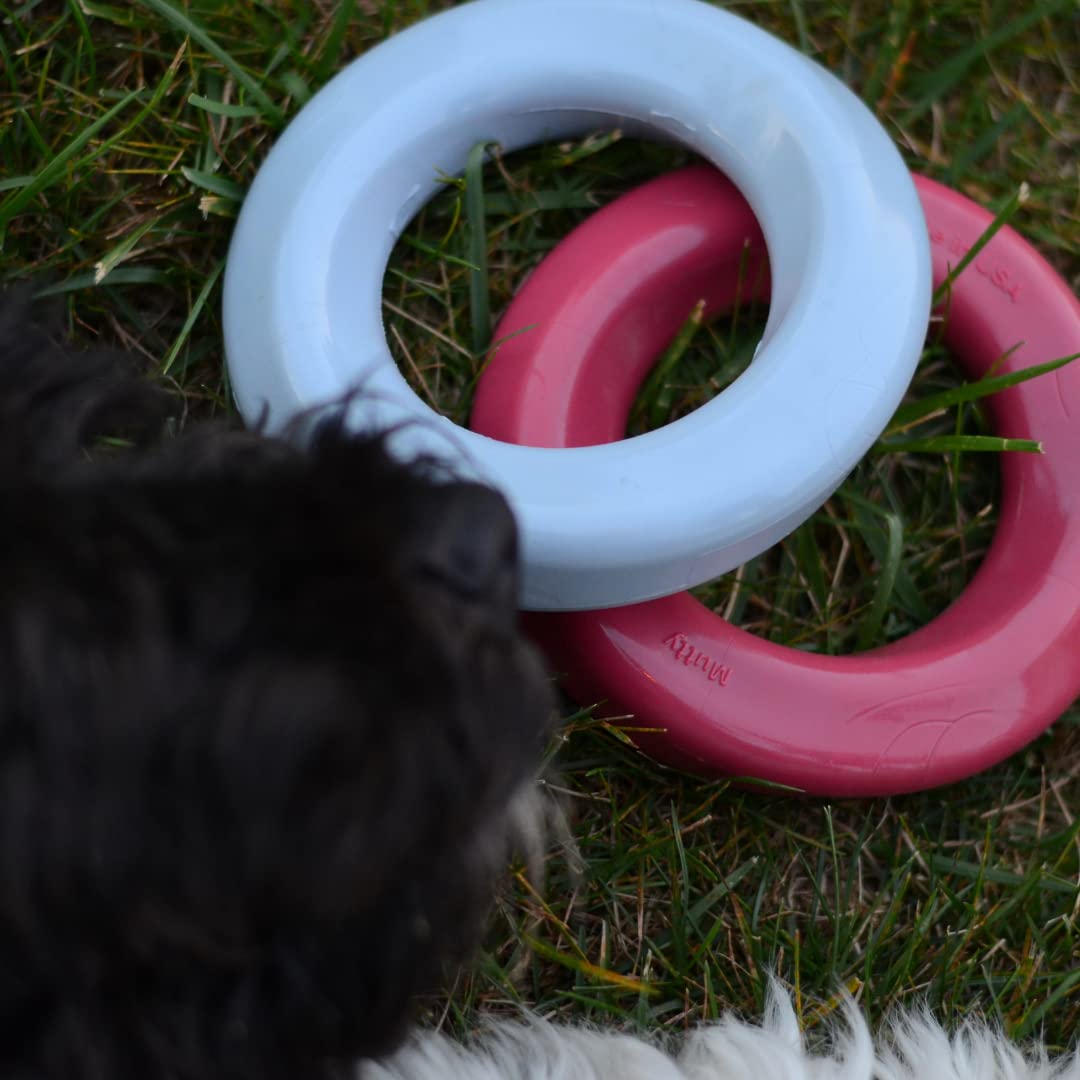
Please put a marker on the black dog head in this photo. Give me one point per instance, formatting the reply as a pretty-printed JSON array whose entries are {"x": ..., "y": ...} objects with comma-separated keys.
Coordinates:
[{"x": 263, "y": 714}]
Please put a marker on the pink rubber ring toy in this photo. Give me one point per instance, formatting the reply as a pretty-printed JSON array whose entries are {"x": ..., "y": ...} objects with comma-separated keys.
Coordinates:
[{"x": 958, "y": 695}]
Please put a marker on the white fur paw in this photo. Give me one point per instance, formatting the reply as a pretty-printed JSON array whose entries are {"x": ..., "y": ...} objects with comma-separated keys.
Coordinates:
[
  {"x": 913, "y": 1046},
  {"x": 532, "y": 1051}
]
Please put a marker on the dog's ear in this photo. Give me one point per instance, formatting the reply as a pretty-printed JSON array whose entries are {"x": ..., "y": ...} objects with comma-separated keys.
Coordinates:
[
  {"x": 55, "y": 401},
  {"x": 470, "y": 545}
]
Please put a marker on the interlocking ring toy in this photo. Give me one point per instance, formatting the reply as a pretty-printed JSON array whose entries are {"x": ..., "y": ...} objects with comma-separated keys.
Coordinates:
[
  {"x": 956, "y": 696},
  {"x": 618, "y": 523}
]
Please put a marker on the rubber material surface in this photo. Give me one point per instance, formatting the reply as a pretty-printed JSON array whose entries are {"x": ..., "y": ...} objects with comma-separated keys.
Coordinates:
[
  {"x": 958, "y": 695},
  {"x": 607, "y": 524}
]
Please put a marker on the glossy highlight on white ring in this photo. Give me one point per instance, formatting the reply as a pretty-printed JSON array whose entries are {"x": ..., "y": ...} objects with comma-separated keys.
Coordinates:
[{"x": 849, "y": 262}]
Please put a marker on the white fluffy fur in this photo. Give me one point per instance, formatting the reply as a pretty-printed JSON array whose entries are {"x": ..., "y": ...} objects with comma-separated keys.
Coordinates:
[{"x": 912, "y": 1047}]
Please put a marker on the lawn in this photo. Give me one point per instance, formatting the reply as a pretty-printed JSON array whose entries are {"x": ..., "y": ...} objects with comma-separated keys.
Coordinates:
[{"x": 128, "y": 134}]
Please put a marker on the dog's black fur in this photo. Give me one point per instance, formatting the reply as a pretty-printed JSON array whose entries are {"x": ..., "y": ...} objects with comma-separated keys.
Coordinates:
[{"x": 263, "y": 711}]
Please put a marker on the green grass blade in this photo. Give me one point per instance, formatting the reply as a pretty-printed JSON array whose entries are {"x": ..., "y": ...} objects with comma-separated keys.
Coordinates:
[
  {"x": 6, "y": 65},
  {"x": 193, "y": 315},
  {"x": 437, "y": 253},
  {"x": 809, "y": 561},
  {"x": 589, "y": 970},
  {"x": 87, "y": 36},
  {"x": 14, "y": 183},
  {"x": 1068, "y": 986},
  {"x": 937, "y": 83},
  {"x": 187, "y": 25},
  {"x": 887, "y": 53},
  {"x": 654, "y": 398},
  {"x": 56, "y": 169},
  {"x": 799, "y": 16},
  {"x": 866, "y": 515},
  {"x": 537, "y": 200},
  {"x": 216, "y": 185},
  {"x": 870, "y": 627},
  {"x": 221, "y": 108},
  {"x": 479, "y": 288},
  {"x": 948, "y": 444},
  {"x": 124, "y": 275},
  {"x": 109, "y": 261},
  {"x": 332, "y": 46},
  {"x": 1000, "y": 876},
  {"x": 297, "y": 86},
  {"x": 911, "y": 413},
  {"x": 975, "y": 151},
  {"x": 589, "y": 147},
  {"x": 109, "y": 12}
]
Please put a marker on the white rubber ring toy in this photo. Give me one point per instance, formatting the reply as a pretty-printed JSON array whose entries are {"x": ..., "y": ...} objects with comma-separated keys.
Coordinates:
[{"x": 652, "y": 515}]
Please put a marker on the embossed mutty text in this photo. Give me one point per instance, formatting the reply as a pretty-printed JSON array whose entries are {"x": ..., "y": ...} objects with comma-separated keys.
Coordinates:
[
  {"x": 994, "y": 272},
  {"x": 682, "y": 649}
]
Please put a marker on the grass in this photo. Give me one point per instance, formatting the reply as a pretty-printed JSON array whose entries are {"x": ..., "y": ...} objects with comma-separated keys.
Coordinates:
[{"x": 128, "y": 134}]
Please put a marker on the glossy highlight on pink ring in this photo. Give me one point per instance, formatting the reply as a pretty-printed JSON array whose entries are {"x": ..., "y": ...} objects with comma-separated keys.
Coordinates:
[{"x": 956, "y": 696}]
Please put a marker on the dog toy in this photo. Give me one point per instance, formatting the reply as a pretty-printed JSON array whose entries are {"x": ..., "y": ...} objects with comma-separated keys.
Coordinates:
[
  {"x": 623, "y": 522},
  {"x": 956, "y": 696}
]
